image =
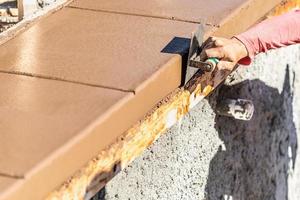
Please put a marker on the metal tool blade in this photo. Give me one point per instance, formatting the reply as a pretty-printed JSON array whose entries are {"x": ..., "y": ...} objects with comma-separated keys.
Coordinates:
[{"x": 195, "y": 47}]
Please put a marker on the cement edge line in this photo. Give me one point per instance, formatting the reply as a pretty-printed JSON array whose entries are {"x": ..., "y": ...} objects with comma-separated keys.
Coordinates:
[
  {"x": 141, "y": 15},
  {"x": 12, "y": 176},
  {"x": 39, "y": 76}
]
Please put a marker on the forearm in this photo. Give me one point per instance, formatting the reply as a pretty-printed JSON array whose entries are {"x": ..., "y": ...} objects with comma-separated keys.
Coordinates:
[{"x": 273, "y": 33}]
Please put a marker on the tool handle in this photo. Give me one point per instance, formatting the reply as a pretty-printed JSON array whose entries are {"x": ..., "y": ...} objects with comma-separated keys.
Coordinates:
[
  {"x": 212, "y": 62},
  {"x": 208, "y": 65}
]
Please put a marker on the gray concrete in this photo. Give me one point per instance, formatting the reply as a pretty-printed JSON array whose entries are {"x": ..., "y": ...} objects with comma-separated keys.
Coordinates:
[{"x": 213, "y": 157}]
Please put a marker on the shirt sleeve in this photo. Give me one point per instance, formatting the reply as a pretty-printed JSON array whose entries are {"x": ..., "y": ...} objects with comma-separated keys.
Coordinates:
[{"x": 272, "y": 33}]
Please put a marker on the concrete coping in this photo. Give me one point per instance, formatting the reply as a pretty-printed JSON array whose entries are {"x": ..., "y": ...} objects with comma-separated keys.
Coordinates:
[{"x": 83, "y": 94}]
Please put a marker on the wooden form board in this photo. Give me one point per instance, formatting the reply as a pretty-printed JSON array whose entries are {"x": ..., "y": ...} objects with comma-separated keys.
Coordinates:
[{"x": 116, "y": 154}]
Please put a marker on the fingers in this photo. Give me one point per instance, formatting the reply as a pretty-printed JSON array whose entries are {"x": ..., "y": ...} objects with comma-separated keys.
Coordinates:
[
  {"x": 225, "y": 65},
  {"x": 210, "y": 48},
  {"x": 215, "y": 53},
  {"x": 223, "y": 49},
  {"x": 209, "y": 43},
  {"x": 219, "y": 42}
]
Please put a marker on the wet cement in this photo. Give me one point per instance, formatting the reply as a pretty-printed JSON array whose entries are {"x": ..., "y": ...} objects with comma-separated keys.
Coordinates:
[{"x": 212, "y": 157}]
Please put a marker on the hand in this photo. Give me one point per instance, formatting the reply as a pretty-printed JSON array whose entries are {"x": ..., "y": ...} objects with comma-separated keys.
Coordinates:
[{"x": 228, "y": 51}]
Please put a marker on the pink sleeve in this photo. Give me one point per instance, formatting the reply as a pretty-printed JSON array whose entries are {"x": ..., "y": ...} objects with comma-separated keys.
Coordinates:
[{"x": 272, "y": 33}]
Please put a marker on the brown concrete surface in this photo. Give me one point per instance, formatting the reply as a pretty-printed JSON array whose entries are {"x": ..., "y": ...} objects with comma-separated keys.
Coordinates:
[
  {"x": 49, "y": 129},
  {"x": 212, "y": 11},
  {"x": 5, "y": 183},
  {"x": 228, "y": 18},
  {"x": 40, "y": 116},
  {"x": 247, "y": 15},
  {"x": 94, "y": 48}
]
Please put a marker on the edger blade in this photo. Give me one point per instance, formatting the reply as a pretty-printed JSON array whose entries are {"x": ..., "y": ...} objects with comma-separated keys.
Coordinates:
[{"x": 195, "y": 49}]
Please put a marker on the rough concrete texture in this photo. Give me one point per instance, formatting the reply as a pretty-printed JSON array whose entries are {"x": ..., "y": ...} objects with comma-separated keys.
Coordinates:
[{"x": 211, "y": 157}]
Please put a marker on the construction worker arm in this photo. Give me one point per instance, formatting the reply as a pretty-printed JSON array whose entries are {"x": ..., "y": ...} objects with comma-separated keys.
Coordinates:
[{"x": 272, "y": 33}]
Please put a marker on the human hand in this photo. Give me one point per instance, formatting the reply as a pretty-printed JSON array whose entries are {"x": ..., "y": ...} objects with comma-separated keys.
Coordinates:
[{"x": 228, "y": 51}]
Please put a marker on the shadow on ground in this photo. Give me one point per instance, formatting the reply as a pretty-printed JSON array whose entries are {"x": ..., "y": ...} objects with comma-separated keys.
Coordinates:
[{"x": 254, "y": 164}]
